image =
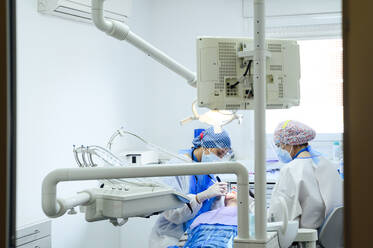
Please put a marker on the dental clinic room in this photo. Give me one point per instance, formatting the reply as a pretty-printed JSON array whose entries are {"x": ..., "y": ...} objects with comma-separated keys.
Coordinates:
[{"x": 186, "y": 123}]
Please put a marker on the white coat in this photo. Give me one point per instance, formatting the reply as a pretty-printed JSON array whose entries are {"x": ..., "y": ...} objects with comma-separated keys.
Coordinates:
[
  {"x": 168, "y": 228},
  {"x": 311, "y": 191}
]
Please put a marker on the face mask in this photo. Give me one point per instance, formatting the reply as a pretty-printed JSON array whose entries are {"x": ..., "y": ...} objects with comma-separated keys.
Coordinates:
[
  {"x": 211, "y": 157},
  {"x": 283, "y": 155}
]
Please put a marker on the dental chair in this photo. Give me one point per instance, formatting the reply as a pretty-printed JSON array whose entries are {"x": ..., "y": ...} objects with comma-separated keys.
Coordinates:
[{"x": 331, "y": 232}]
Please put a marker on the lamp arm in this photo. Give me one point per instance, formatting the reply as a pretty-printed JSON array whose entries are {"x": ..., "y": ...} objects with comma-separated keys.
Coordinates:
[{"x": 121, "y": 31}]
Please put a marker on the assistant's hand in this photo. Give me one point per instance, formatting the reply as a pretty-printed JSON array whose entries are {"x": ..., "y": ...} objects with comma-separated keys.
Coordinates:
[{"x": 217, "y": 189}]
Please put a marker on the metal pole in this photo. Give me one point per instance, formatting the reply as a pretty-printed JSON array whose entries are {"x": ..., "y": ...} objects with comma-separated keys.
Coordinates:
[{"x": 260, "y": 107}]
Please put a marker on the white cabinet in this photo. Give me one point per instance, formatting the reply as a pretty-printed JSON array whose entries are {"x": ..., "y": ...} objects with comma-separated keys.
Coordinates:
[
  {"x": 40, "y": 243},
  {"x": 37, "y": 235}
]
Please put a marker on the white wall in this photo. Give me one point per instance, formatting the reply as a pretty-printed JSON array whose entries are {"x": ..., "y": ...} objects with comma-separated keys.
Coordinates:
[{"x": 75, "y": 86}]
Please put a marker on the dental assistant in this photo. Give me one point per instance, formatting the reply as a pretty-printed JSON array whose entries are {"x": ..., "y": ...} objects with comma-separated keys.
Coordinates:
[
  {"x": 309, "y": 183},
  {"x": 204, "y": 191}
]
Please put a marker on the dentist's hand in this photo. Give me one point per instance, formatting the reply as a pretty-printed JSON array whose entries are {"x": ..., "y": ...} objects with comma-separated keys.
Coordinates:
[{"x": 217, "y": 189}]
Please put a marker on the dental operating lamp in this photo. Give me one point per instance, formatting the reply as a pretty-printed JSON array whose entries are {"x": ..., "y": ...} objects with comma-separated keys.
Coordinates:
[{"x": 215, "y": 118}]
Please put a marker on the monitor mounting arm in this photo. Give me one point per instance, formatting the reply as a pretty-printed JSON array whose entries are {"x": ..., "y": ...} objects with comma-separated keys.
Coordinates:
[{"x": 121, "y": 31}]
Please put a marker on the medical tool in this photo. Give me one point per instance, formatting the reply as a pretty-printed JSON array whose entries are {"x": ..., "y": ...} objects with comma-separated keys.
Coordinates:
[
  {"x": 121, "y": 132},
  {"x": 232, "y": 186},
  {"x": 123, "y": 203},
  {"x": 218, "y": 179},
  {"x": 54, "y": 207},
  {"x": 90, "y": 156},
  {"x": 118, "y": 199},
  {"x": 84, "y": 157},
  {"x": 108, "y": 203},
  {"x": 212, "y": 178},
  {"x": 140, "y": 157}
]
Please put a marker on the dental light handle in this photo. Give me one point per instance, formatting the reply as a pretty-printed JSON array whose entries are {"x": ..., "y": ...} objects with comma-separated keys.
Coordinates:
[
  {"x": 121, "y": 31},
  {"x": 191, "y": 118},
  {"x": 64, "y": 205},
  {"x": 186, "y": 120}
]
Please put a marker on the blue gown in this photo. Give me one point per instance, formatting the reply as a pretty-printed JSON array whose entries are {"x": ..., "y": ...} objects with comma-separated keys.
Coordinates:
[{"x": 198, "y": 184}]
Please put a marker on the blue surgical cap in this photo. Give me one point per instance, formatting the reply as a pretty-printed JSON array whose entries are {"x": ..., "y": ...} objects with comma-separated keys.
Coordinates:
[{"x": 210, "y": 139}]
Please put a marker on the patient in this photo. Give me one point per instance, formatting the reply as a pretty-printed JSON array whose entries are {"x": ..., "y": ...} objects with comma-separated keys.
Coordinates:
[{"x": 216, "y": 228}]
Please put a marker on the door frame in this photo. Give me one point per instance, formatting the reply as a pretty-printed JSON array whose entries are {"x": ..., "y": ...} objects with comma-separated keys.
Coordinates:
[
  {"x": 358, "y": 122},
  {"x": 7, "y": 123}
]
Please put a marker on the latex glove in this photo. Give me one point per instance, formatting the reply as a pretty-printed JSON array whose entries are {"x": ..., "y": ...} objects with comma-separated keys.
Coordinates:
[{"x": 217, "y": 189}]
